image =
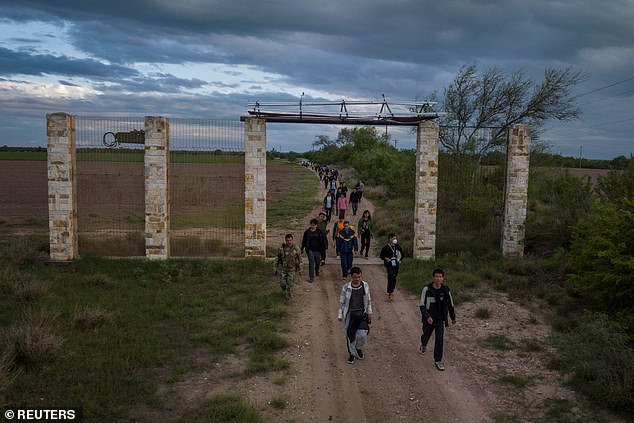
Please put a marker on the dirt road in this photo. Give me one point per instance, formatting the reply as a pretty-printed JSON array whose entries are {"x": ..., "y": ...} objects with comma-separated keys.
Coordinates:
[{"x": 394, "y": 383}]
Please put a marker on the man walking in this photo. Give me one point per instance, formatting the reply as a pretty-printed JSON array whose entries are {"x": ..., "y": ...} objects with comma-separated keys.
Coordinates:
[
  {"x": 391, "y": 254},
  {"x": 287, "y": 262},
  {"x": 347, "y": 245},
  {"x": 313, "y": 243},
  {"x": 355, "y": 309},
  {"x": 435, "y": 304},
  {"x": 322, "y": 224}
]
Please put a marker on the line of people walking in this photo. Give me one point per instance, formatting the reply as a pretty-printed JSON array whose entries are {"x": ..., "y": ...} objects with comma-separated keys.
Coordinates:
[{"x": 355, "y": 302}]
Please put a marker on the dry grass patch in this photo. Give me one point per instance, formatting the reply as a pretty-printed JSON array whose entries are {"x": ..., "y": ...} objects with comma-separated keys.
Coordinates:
[{"x": 32, "y": 339}]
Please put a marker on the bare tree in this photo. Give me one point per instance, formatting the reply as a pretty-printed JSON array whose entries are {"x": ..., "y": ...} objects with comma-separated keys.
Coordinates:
[
  {"x": 496, "y": 100},
  {"x": 323, "y": 142}
]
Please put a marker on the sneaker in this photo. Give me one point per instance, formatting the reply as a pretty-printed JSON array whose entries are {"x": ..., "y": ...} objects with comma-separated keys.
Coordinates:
[
  {"x": 310, "y": 280},
  {"x": 351, "y": 359},
  {"x": 440, "y": 366},
  {"x": 337, "y": 255},
  {"x": 366, "y": 257},
  {"x": 360, "y": 354},
  {"x": 390, "y": 296},
  {"x": 345, "y": 279},
  {"x": 422, "y": 349},
  {"x": 323, "y": 262}
]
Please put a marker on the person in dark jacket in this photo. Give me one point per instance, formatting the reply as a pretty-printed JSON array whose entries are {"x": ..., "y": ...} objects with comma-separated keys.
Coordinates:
[
  {"x": 435, "y": 304},
  {"x": 322, "y": 224},
  {"x": 391, "y": 254},
  {"x": 313, "y": 242},
  {"x": 355, "y": 199},
  {"x": 347, "y": 245}
]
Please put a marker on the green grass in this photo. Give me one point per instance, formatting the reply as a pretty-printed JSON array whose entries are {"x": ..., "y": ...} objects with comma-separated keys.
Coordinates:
[
  {"x": 107, "y": 334},
  {"x": 23, "y": 155},
  {"x": 230, "y": 216},
  {"x": 292, "y": 198},
  {"x": 482, "y": 313},
  {"x": 515, "y": 381},
  {"x": 497, "y": 342}
]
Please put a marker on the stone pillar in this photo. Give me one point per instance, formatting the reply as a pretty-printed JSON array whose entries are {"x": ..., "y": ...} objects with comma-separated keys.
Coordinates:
[
  {"x": 426, "y": 191},
  {"x": 516, "y": 191},
  {"x": 157, "y": 212},
  {"x": 62, "y": 186},
  {"x": 255, "y": 189}
]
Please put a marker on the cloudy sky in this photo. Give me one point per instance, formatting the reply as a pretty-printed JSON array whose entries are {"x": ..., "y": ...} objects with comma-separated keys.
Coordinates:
[{"x": 209, "y": 58}]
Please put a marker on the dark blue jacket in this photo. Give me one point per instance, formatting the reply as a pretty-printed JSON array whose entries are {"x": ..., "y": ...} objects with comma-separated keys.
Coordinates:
[{"x": 347, "y": 241}]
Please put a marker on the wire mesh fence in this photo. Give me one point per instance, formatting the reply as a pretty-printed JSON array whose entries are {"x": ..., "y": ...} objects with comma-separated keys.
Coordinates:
[
  {"x": 110, "y": 189},
  {"x": 471, "y": 194},
  {"x": 206, "y": 185}
]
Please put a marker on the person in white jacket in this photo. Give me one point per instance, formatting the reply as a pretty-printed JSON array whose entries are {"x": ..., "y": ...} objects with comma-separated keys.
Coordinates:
[{"x": 355, "y": 310}]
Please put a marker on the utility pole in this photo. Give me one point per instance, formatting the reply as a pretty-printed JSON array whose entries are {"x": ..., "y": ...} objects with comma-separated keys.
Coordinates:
[{"x": 580, "y": 155}]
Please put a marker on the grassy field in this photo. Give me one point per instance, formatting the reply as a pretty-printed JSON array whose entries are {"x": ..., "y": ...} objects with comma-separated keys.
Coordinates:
[{"x": 115, "y": 338}]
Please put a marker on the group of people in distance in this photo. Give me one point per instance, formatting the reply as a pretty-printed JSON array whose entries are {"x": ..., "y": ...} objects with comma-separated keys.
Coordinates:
[{"x": 355, "y": 302}]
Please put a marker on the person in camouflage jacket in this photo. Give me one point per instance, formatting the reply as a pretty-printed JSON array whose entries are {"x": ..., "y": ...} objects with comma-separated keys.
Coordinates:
[{"x": 287, "y": 263}]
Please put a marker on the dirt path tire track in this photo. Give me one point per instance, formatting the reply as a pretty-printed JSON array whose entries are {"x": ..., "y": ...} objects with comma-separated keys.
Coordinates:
[{"x": 395, "y": 383}]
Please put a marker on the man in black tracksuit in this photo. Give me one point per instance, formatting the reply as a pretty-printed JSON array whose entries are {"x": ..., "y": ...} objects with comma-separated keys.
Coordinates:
[{"x": 435, "y": 304}]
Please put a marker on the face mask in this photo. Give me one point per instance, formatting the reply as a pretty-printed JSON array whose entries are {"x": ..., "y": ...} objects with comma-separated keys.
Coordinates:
[{"x": 395, "y": 241}]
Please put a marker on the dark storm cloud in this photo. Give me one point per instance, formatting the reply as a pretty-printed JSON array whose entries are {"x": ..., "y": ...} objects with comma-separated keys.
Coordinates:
[
  {"x": 403, "y": 48},
  {"x": 26, "y": 63}
]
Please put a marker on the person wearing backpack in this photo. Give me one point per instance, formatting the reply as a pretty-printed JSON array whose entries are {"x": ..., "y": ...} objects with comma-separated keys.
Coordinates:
[
  {"x": 435, "y": 304},
  {"x": 355, "y": 310}
]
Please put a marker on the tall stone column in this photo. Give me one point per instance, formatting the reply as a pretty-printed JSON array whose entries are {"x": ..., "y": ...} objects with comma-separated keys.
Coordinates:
[
  {"x": 426, "y": 191},
  {"x": 255, "y": 189},
  {"x": 156, "y": 165},
  {"x": 516, "y": 191},
  {"x": 62, "y": 186}
]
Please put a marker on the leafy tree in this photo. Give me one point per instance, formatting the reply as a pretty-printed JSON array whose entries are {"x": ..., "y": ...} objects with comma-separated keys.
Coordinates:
[
  {"x": 494, "y": 99},
  {"x": 602, "y": 254}
]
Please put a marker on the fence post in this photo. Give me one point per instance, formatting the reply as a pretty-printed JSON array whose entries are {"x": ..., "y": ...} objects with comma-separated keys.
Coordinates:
[
  {"x": 426, "y": 200},
  {"x": 516, "y": 191},
  {"x": 62, "y": 186},
  {"x": 255, "y": 189},
  {"x": 156, "y": 165}
]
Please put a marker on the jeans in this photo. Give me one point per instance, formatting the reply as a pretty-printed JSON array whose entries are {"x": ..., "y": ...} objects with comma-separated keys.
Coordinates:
[{"x": 314, "y": 260}]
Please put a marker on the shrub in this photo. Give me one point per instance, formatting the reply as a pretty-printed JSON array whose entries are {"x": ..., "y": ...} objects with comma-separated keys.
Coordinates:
[
  {"x": 597, "y": 360},
  {"x": 601, "y": 254},
  {"x": 556, "y": 203}
]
